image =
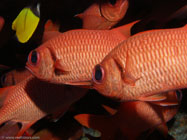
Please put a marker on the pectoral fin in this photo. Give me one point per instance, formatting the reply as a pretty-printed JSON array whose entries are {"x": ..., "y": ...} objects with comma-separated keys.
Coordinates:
[
  {"x": 157, "y": 97},
  {"x": 110, "y": 110},
  {"x": 172, "y": 99},
  {"x": 129, "y": 79},
  {"x": 60, "y": 67},
  {"x": 24, "y": 128},
  {"x": 87, "y": 84},
  {"x": 125, "y": 70},
  {"x": 81, "y": 15},
  {"x": 83, "y": 119}
]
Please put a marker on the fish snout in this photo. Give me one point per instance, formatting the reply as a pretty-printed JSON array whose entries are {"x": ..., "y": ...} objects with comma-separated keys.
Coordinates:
[
  {"x": 39, "y": 63},
  {"x": 106, "y": 78}
]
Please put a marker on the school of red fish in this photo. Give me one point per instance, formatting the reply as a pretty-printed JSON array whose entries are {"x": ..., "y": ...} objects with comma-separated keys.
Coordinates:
[{"x": 143, "y": 73}]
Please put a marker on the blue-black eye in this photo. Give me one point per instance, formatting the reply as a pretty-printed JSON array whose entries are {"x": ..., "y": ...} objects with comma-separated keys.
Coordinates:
[
  {"x": 179, "y": 95},
  {"x": 98, "y": 74},
  {"x": 33, "y": 57},
  {"x": 113, "y": 2},
  {"x": 3, "y": 78}
]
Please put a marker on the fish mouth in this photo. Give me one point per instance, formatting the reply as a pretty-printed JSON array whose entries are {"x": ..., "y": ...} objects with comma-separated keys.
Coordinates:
[{"x": 29, "y": 69}]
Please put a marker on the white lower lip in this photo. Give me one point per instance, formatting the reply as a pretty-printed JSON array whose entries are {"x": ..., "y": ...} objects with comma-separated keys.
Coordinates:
[{"x": 29, "y": 70}]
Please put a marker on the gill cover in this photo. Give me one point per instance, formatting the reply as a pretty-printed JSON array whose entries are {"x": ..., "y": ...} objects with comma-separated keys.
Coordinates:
[{"x": 26, "y": 23}]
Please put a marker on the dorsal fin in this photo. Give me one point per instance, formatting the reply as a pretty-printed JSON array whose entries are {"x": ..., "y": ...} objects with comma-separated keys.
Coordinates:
[{"x": 125, "y": 29}]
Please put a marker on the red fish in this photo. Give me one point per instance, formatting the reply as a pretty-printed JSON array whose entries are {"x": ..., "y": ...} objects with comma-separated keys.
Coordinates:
[
  {"x": 14, "y": 77},
  {"x": 144, "y": 65},
  {"x": 50, "y": 30},
  {"x": 104, "y": 15},
  {"x": 70, "y": 57},
  {"x": 32, "y": 99},
  {"x": 49, "y": 35},
  {"x": 133, "y": 118},
  {"x": 51, "y": 26}
]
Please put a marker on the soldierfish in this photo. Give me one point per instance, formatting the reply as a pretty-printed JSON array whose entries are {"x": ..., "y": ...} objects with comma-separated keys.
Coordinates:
[
  {"x": 51, "y": 30},
  {"x": 104, "y": 15},
  {"x": 32, "y": 99},
  {"x": 13, "y": 77},
  {"x": 144, "y": 65},
  {"x": 70, "y": 57},
  {"x": 133, "y": 118}
]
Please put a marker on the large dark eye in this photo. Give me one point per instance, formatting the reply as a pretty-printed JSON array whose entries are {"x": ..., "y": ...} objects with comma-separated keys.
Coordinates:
[
  {"x": 3, "y": 79},
  {"x": 179, "y": 95},
  {"x": 113, "y": 2},
  {"x": 98, "y": 74},
  {"x": 34, "y": 57}
]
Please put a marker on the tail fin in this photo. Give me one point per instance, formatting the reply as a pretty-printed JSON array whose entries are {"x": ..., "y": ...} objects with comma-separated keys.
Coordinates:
[
  {"x": 126, "y": 29},
  {"x": 101, "y": 123}
]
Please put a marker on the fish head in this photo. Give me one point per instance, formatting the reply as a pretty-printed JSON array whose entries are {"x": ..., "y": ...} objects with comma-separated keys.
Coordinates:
[
  {"x": 6, "y": 79},
  {"x": 40, "y": 63},
  {"x": 106, "y": 78},
  {"x": 114, "y": 10},
  {"x": 13, "y": 77}
]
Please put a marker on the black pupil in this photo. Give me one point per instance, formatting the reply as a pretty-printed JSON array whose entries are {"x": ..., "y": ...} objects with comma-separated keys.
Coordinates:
[
  {"x": 112, "y": 2},
  {"x": 3, "y": 78},
  {"x": 98, "y": 73},
  {"x": 34, "y": 57},
  {"x": 179, "y": 95}
]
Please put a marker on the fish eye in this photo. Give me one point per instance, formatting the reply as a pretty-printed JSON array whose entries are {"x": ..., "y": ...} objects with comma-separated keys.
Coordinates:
[
  {"x": 3, "y": 79},
  {"x": 113, "y": 2},
  {"x": 34, "y": 57},
  {"x": 98, "y": 74},
  {"x": 179, "y": 95}
]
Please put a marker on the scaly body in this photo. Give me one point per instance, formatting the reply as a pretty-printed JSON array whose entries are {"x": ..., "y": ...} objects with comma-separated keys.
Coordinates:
[
  {"x": 70, "y": 57},
  {"x": 102, "y": 16},
  {"x": 144, "y": 65},
  {"x": 32, "y": 99}
]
